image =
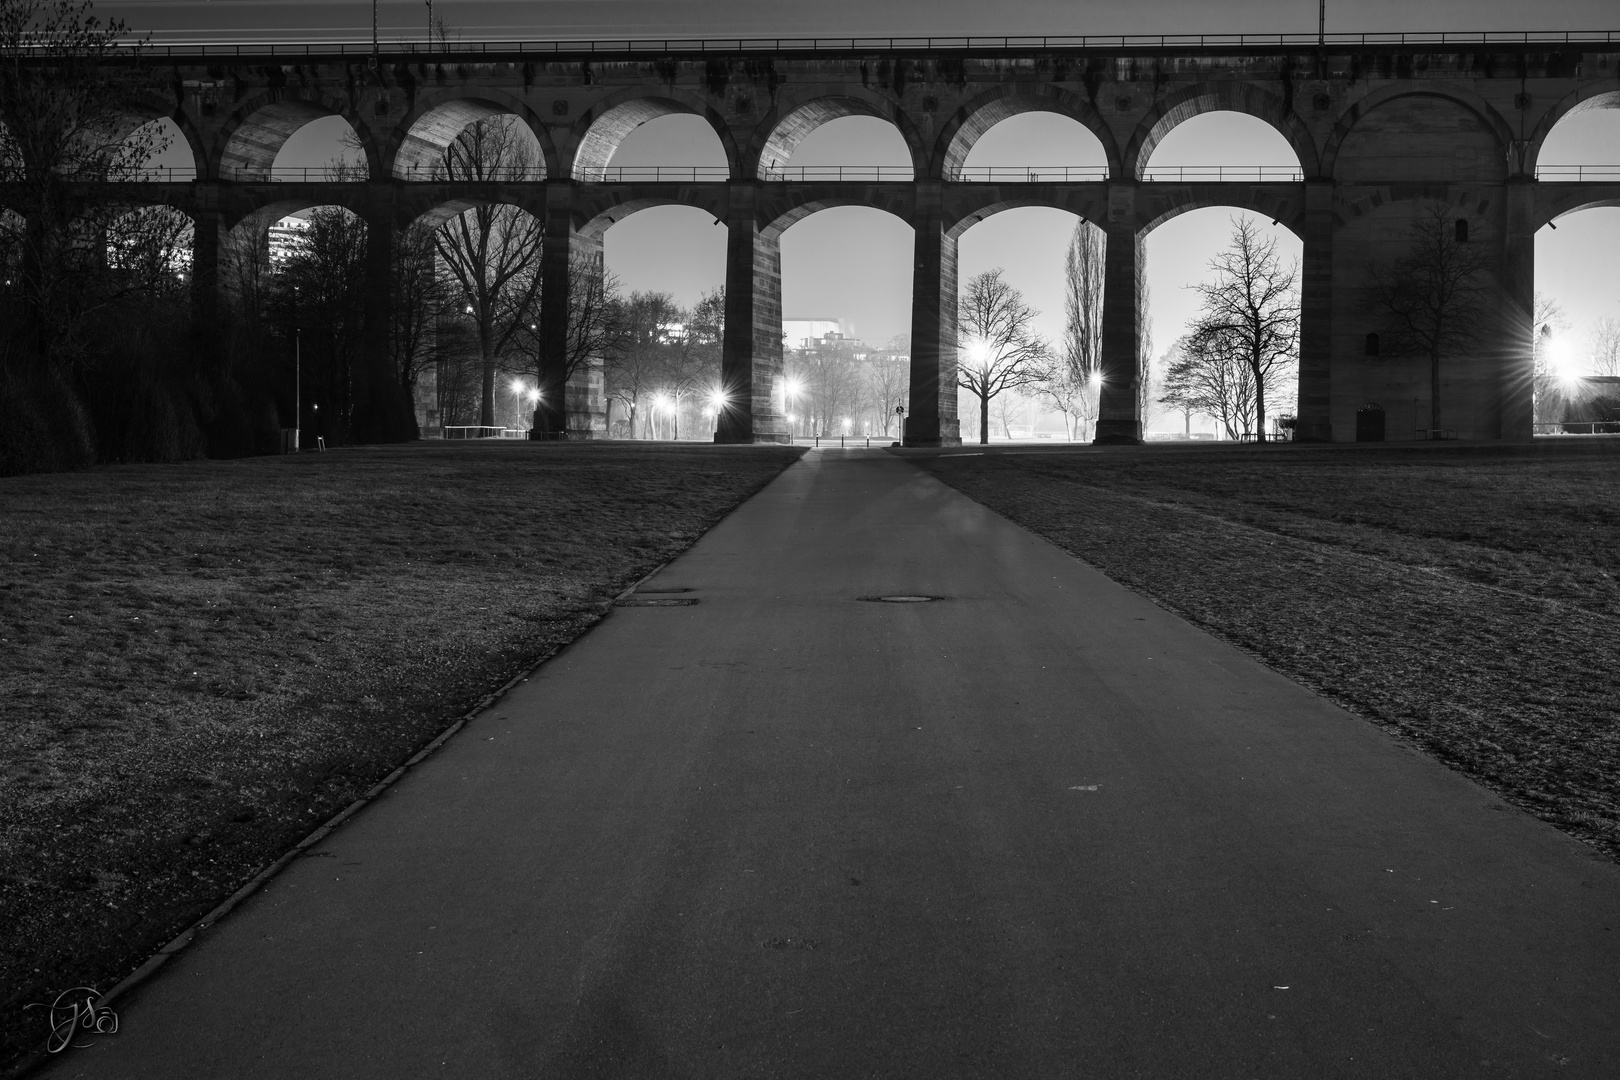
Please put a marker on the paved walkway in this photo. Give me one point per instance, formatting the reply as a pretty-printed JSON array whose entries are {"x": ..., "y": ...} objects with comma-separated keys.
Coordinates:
[{"x": 1038, "y": 829}]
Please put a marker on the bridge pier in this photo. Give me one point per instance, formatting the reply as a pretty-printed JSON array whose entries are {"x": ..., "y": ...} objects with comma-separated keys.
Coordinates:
[
  {"x": 1119, "y": 404},
  {"x": 931, "y": 418},
  {"x": 1518, "y": 285},
  {"x": 751, "y": 351},
  {"x": 1316, "y": 316},
  {"x": 572, "y": 405}
]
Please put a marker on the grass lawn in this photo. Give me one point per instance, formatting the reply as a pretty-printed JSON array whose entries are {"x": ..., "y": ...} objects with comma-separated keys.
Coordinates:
[
  {"x": 204, "y": 661},
  {"x": 1465, "y": 598}
]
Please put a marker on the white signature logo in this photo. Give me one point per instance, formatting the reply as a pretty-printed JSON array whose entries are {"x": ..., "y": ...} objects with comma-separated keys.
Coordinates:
[{"x": 74, "y": 1011}]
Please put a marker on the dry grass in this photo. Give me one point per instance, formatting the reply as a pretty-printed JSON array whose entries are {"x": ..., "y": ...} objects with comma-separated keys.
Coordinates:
[
  {"x": 1465, "y": 598},
  {"x": 203, "y": 661}
]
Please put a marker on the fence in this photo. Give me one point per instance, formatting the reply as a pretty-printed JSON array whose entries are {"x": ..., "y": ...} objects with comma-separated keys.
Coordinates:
[
  {"x": 1579, "y": 427},
  {"x": 481, "y": 431}
]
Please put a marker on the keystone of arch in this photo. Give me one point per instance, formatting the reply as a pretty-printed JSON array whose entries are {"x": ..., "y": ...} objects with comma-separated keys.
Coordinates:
[
  {"x": 437, "y": 117},
  {"x": 1597, "y": 94},
  {"x": 598, "y": 133},
  {"x": 1383, "y": 95},
  {"x": 969, "y": 123},
  {"x": 1182, "y": 105},
  {"x": 258, "y": 130},
  {"x": 790, "y": 122}
]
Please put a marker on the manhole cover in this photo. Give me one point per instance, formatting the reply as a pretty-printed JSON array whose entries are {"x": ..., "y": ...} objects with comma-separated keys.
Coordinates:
[
  {"x": 655, "y": 603},
  {"x": 900, "y": 598}
]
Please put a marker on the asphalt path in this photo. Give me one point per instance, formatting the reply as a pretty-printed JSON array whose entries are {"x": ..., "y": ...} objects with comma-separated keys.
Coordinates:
[{"x": 1037, "y": 828}]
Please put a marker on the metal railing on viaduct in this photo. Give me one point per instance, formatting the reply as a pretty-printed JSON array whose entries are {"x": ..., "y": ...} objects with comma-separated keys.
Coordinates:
[{"x": 1381, "y": 126}]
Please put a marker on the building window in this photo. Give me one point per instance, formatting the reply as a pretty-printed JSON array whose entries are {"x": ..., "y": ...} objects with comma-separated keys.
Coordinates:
[
  {"x": 1462, "y": 230},
  {"x": 1372, "y": 344}
]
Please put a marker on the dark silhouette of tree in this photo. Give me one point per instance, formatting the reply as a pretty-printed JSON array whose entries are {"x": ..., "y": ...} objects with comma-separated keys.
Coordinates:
[
  {"x": 493, "y": 250},
  {"x": 1432, "y": 299},
  {"x": 634, "y": 368},
  {"x": 421, "y": 299},
  {"x": 1000, "y": 351},
  {"x": 1250, "y": 311},
  {"x": 320, "y": 290},
  {"x": 1072, "y": 389}
]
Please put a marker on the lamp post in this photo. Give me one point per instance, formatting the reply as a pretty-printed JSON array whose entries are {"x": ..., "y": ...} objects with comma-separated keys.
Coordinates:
[
  {"x": 900, "y": 423},
  {"x": 298, "y": 388}
]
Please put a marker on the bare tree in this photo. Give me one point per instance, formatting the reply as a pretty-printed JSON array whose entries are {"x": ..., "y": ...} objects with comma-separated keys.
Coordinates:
[
  {"x": 320, "y": 291},
  {"x": 888, "y": 379},
  {"x": 692, "y": 355},
  {"x": 1605, "y": 347},
  {"x": 492, "y": 250},
  {"x": 1072, "y": 388},
  {"x": 1211, "y": 373},
  {"x": 1251, "y": 308},
  {"x": 635, "y": 363},
  {"x": 1003, "y": 352},
  {"x": 420, "y": 298},
  {"x": 1431, "y": 300},
  {"x": 65, "y": 136},
  {"x": 1144, "y": 334}
]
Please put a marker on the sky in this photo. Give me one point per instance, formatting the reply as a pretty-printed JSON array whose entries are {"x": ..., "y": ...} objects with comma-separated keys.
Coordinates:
[{"x": 854, "y": 263}]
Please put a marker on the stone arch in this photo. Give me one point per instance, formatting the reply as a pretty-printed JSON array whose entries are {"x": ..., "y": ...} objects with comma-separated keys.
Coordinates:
[
  {"x": 1284, "y": 204},
  {"x": 1474, "y": 205},
  {"x": 782, "y": 212},
  {"x": 598, "y": 133},
  {"x": 1573, "y": 202},
  {"x": 974, "y": 205},
  {"x": 593, "y": 217},
  {"x": 143, "y": 109},
  {"x": 782, "y": 129},
  {"x": 259, "y": 217},
  {"x": 445, "y": 201},
  {"x": 959, "y": 134},
  {"x": 1463, "y": 98},
  {"x": 1604, "y": 95},
  {"x": 437, "y": 117},
  {"x": 259, "y": 129},
  {"x": 1242, "y": 97}
]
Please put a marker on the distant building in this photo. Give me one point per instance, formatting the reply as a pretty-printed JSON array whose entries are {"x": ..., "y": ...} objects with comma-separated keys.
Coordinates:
[
  {"x": 807, "y": 333},
  {"x": 287, "y": 237}
]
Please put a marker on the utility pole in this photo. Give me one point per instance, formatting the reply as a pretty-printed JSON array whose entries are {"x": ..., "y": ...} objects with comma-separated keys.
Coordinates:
[
  {"x": 430, "y": 25},
  {"x": 374, "y": 34}
]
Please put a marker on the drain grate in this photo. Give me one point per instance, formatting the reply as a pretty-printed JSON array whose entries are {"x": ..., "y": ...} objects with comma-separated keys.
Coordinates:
[
  {"x": 901, "y": 598},
  {"x": 655, "y": 603}
]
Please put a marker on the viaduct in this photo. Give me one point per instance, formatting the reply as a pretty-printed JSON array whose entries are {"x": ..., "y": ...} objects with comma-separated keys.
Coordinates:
[{"x": 1381, "y": 127}]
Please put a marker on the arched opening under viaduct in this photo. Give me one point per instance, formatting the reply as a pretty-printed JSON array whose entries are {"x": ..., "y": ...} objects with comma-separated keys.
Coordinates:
[
  {"x": 165, "y": 154},
  {"x": 470, "y": 138},
  {"x": 1577, "y": 322},
  {"x": 837, "y": 139},
  {"x": 668, "y": 262},
  {"x": 635, "y": 139},
  {"x": 1221, "y": 146},
  {"x": 846, "y": 319},
  {"x": 1584, "y": 143},
  {"x": 672, "y": 146},
  {"x": 253, "y": 152},
  {"x": 1035, "y": 147},
  {"x": 1027, "y": 248},
  {"x": 1178, "y": 252}
]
